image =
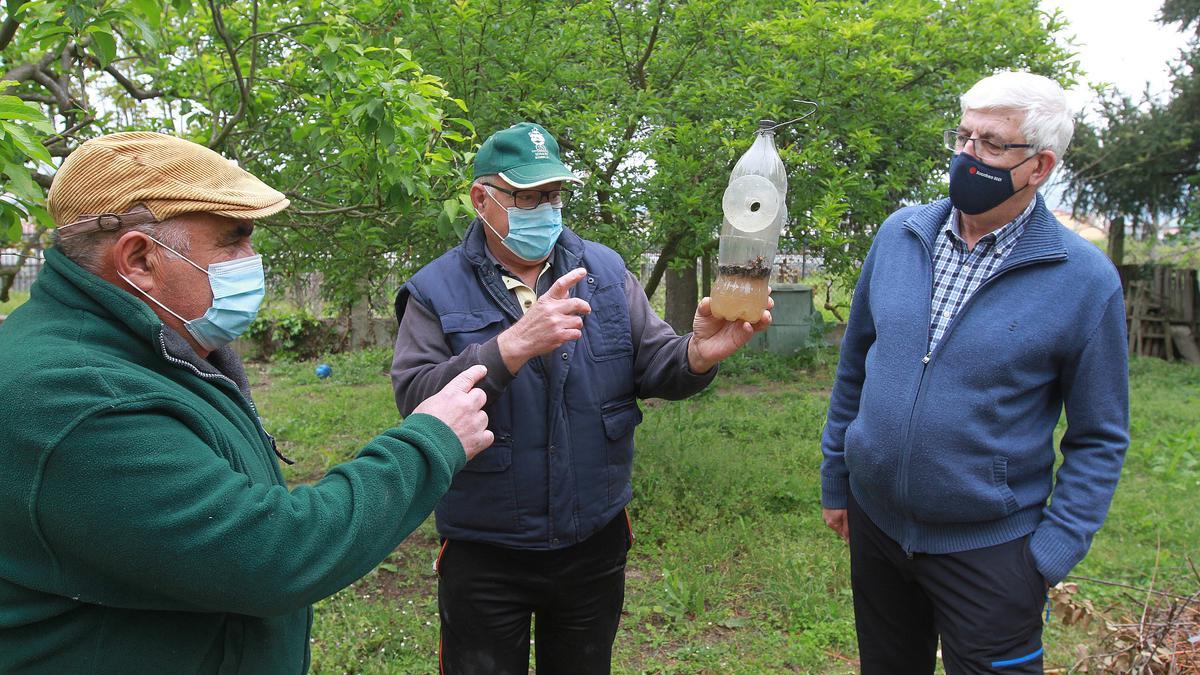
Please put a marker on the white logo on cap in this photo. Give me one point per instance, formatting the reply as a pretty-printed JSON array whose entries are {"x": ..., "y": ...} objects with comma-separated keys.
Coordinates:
[{"x": 539, "y": 144}]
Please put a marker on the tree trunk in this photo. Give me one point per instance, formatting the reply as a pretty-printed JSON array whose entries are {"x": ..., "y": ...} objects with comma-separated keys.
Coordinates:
[
  {"x": 1116, "y": 240},
  {"x": 681, "y": 297},
  {"x": 660, "y": 267}
]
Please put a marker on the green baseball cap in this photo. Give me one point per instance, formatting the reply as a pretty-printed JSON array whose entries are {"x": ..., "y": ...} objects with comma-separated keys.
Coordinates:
[{"x": 525, "y": 155}]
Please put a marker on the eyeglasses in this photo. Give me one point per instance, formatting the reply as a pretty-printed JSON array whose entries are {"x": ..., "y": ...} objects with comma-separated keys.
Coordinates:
[
  {"x": 531, "y": 199},
  {"x": 955, "y": 141}
]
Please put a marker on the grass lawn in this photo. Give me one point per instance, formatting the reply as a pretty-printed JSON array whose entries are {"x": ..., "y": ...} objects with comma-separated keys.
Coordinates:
[
  {"x": 15, "y": 300},
  {"x": 733, "y": 570}
]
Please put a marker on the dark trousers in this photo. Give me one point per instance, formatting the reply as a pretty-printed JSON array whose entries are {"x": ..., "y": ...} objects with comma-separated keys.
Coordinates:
[
  {"x": 985, "y": 604},
  {"x": 486, "y": 595}
]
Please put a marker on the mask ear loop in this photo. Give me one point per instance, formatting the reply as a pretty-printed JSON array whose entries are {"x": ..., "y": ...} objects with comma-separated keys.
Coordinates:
[
  {"x": 182, "y": 256},
  {"x": 1019, "y": 164},
  {"x": 151, "y": 297},
  {"x": 488, "y": 189}
]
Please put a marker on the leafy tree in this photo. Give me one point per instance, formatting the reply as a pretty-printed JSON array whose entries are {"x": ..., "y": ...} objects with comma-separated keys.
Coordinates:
[
  {"x": 1139, "y": 163},
  {"x": 888, "y": 77},
  {"x": 321, "y": 100},
  {"x": 655, "y": 100}
]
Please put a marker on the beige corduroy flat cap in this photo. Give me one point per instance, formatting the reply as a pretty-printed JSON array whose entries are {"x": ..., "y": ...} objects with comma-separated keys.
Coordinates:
[{"x": 136, "y": 177}]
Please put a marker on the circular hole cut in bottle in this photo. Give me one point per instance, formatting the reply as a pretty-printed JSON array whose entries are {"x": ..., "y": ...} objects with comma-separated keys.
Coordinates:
[{"x": 751, "y": 203}]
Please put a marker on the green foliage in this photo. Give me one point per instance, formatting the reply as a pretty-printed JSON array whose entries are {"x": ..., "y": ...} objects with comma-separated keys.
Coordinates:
[
  {"x": 1169, "y": 447},
  {"x": 1138, "y": 164},
  {"x": 684, "y": 599},
  {"x": 290, "y": 335},
  {"x": 655, "y": 101},
  {"x": 370, "y": 132},
  {"x": 888, "y": 77},
  {"x": 760, "y": 367},
  {"x": 321, "y": 100},
  {"x": 28, "y": 135}
]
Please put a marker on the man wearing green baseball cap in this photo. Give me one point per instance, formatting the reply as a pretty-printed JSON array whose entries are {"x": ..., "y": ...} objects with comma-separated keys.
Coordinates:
[{"x": 536, "y": 526}]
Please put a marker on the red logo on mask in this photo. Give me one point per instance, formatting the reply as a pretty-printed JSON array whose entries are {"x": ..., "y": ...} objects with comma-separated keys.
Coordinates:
[{"x": 971, "y": 170}]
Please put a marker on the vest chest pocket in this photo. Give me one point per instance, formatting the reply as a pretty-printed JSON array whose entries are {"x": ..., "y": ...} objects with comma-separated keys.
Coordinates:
[
  {"x": 463, "y": 329},
  {"x": 607, "y": 327}
]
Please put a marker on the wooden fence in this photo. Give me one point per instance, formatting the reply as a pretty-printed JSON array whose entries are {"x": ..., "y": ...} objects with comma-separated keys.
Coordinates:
[{"x": 1161, "y": 307}]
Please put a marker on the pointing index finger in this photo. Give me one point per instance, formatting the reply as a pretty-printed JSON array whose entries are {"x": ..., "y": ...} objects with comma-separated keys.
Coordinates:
[
  {"x": 562, "y": 288},
  {"x": 467, "y": 379}
]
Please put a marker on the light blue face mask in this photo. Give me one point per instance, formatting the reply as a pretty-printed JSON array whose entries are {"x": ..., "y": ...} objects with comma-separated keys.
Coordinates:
[
  {"x": 238, "y": 287},
  {"x": 532, "y": 233}
]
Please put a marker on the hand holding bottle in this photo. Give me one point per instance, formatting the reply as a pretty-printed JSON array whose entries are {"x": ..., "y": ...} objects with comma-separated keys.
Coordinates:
[{"x": 714, "y": 339}]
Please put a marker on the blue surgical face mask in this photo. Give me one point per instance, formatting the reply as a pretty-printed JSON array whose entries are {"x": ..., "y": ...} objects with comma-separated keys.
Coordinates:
[
  {"x": 976, "y": 187},
  {"x": 532, "y": 233},
  {"x": 238, "y": 287}
]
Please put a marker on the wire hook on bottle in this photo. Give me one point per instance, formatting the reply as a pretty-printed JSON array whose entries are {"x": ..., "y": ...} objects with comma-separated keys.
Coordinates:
[{"x": 810, "y": 113}]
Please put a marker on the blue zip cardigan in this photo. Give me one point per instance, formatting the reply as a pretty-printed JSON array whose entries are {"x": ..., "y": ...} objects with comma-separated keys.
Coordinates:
[{"x": 953, "y": 450}]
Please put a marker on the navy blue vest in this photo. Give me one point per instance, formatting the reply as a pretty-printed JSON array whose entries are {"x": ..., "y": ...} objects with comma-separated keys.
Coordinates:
[{"x": 560, "y": 467}]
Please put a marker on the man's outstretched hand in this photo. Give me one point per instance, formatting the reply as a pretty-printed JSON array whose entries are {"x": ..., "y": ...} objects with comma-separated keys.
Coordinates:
[{"x": 460, "y": 405}]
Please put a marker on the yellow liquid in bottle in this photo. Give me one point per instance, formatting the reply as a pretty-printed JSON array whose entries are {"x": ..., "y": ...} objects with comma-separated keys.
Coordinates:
[{"x": 737, "y": 297}]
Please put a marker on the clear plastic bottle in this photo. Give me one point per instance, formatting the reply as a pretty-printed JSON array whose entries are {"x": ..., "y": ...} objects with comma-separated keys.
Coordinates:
[{"x": 755, "y": 208}]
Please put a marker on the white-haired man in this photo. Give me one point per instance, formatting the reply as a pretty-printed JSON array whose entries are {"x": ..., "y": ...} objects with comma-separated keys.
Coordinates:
[{"x": 976, "y": 320}]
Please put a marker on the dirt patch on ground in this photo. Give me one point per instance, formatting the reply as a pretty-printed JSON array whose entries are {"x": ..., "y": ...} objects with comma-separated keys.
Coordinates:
[{"x": 406, "y": 574}]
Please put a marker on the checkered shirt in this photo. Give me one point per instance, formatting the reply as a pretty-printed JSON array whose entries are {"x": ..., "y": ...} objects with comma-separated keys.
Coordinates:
[{"x": 958, "y": 273}]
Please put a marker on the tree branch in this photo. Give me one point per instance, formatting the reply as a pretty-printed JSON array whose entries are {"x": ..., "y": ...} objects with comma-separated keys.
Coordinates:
[
  {"x": 253, "y": 45},
  {"x": 11, "y": 23},
  {"x": 330, "y": 212},
  {"x": 61, "y": 95},
  {"x": 38, "y": 98},
  {"x": 25, "y": 71},
  {"x": 308, "y": 176},
  {"x": 620, "y": 39},
  {"x": 219, "y": 137},
  {"x": 62, "y": 136},
  {"x": 130, "y": 86},
  {"x": 641, "y": 64}
]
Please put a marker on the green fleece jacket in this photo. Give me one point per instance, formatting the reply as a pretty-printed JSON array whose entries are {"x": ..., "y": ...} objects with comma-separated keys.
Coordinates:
[{"x": 144, "y": 522}]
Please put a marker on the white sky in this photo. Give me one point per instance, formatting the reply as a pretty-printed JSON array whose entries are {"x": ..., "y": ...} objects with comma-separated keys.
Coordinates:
[{"x": 1119, "y": 42}]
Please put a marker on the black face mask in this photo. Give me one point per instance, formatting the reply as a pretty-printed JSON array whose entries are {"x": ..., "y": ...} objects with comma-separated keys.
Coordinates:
[{"x": 976, "y": 187}]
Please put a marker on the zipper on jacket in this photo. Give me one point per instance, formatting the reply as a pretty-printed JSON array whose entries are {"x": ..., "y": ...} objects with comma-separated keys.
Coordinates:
[
  {"x": 906, "y": 541},
  {"x": 906, "y": 446},
  {"x": 217, "y": 376},
  {"x": 907, "y": 544}
]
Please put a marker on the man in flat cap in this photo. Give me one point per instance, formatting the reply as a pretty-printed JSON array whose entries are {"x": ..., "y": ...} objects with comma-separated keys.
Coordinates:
[
  {"x": 537, "y": 525},
  {"x": 146, "y": 526}
]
